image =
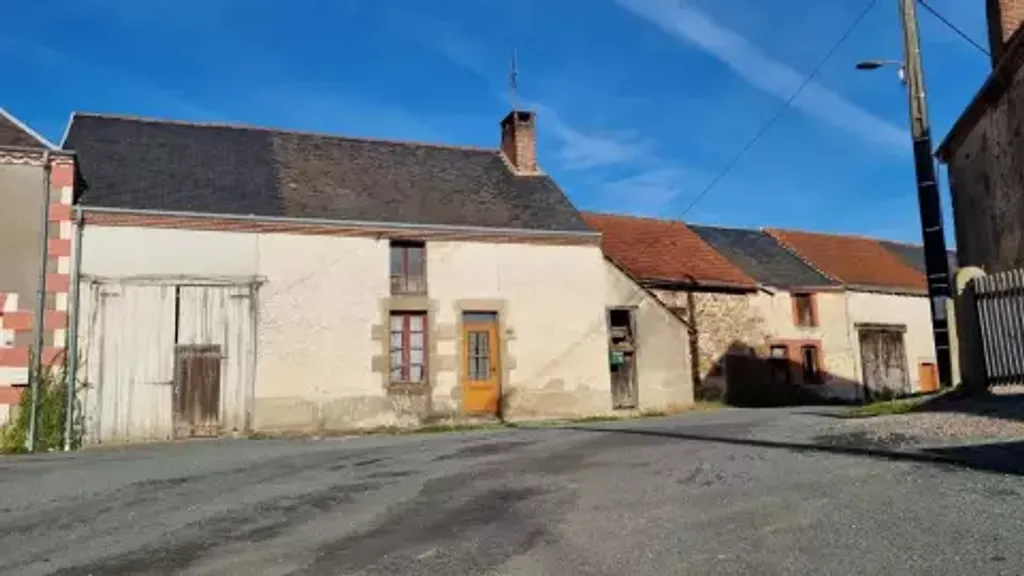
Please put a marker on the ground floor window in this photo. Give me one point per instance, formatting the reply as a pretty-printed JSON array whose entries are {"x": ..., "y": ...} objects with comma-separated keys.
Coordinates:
[
  {"x": 811, "y": 364},
  {"x": 408, "y": 345}
]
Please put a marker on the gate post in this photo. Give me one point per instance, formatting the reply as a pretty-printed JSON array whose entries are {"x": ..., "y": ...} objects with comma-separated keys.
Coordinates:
[{"x": 969, "y": 344}]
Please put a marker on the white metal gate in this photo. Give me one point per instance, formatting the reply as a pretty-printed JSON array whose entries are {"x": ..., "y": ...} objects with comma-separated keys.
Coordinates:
[{"x": 130, "y": 334}]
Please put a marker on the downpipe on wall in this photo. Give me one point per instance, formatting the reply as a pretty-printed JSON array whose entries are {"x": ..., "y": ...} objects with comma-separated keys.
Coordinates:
[{"x": 36, "y": 358}]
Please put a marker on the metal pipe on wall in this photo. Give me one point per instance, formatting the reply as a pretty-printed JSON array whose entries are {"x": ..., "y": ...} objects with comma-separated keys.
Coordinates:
[
  {"x": 36, "y": 357},
  {"x": 72, "y": 332}
]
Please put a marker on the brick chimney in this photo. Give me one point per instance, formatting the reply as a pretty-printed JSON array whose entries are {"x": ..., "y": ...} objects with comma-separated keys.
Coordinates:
[
  {"x": 519, "y": 140},
  {"x": 1004, "y": 17}
]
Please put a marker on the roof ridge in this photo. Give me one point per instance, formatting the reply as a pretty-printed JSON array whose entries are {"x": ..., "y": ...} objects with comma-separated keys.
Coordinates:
[
  {"x": 734, "y": 228},
  {"x": 770, "y": 233},
  {"x": 241, "y": 126},
  {"x": 25, "y": 128}
]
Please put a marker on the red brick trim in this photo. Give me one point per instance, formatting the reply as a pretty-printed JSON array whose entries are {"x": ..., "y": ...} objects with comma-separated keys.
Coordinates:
[
  {"x": 57, "y": 283},
  {"x": 793, "y": 299},
  {"x": 60, "y": 212},
  {"x": 57, "y": 247},
  {"x": 62, "y": 174},
  {"x": 793, "y": 353},
  {"x": 10, "y": 395},
  {"x": 231, "y": 225},
  {"x": 17, "y": 357},
  {"x": 22, "y": 321}
]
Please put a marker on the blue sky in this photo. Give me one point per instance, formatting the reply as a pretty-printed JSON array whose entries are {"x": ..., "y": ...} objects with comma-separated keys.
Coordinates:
[{"x": 640, "y": 102}]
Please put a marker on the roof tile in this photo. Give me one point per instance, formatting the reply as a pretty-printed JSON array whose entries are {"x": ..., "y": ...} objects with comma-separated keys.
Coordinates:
[
  {"x": 853, "y": 260},
  {"x": 148, "y": 164},
  {"x": 665, "y": 250}
]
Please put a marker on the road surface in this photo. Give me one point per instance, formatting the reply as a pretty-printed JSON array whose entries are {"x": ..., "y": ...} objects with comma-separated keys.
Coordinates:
[{"x": 730, "y": 492}]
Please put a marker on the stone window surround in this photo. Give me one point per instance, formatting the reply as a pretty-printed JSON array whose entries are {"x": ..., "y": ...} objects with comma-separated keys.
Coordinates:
[{"x": 437, "y": 333}]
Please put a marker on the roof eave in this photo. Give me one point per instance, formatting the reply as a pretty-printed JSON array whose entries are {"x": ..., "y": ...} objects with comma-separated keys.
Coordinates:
[
  {"x": 998, "y": 81},
  {"x": 529, "y": 232},
  {"x": 694, "y": 283}
]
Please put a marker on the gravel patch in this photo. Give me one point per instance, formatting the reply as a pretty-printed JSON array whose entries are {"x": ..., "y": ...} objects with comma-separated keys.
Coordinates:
[{"x": 995, "y": 417}]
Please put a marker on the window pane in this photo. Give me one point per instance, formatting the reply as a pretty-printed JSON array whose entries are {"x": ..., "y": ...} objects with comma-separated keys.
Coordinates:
[
  {"x": 416, "y": 373},
  {"x": 416, "y": 323},
  {"x": 415, "y": 256},
  {"x": 396, "y": 340},
  {"x": 396, "y": 261},
  {"x": 416, "y": 341},
  {"x": 396, "y": 374},
  {"x": 397, "y": 322},
  {"x": 416, "y": 356}
]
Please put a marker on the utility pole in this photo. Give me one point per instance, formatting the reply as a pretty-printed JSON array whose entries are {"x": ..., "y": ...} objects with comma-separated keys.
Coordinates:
[{"x": 932, "y": 230}]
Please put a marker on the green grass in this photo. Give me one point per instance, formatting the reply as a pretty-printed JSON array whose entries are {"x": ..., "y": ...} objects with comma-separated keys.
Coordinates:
[{"x": 888, "y": 407}]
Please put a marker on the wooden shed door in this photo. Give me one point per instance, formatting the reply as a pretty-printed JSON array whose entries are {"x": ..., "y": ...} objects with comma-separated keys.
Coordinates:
[
  {"x": 928, "y": 374},
  {"x": 884, "y": 360},
  {"x": 197, "y": 387}
]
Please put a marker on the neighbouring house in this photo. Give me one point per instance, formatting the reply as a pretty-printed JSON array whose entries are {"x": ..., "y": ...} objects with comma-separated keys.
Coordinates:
[
  {"x": 891, "y": 349},
  {"x": 702, "y": 287},
  {"x": 913, "y": 254},
  {"x": 36, "y": 179},
  {"x": 803, "y": 310},
  {"x": 984, "y": 153},
  {"x": 238, "y": 279}
]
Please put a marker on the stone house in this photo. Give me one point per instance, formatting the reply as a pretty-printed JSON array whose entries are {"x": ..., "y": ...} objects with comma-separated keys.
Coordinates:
[
  {"x": 36, "y": 178},
  {"x": 984, "y": 153},
  {"x": 890, "y": 350},
  {"x": 838, "y": 316},
  {"x": 802, "y": 311},
  {"x": 712, "y": 295},
  {"x": 237, "y": 279}
]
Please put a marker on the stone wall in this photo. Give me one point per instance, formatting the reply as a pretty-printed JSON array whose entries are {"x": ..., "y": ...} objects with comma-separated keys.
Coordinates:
[
  {"x": 723, "y": 323},
  {"x": 986, "y": 176}
]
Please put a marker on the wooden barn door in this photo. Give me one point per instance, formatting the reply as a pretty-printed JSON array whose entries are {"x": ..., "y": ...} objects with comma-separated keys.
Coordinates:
[{"x": 197, "y": 386}]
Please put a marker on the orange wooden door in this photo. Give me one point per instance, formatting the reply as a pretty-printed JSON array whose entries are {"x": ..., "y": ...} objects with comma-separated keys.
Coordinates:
[
  {"x": 481, "y": 383},
  {"x": 929, "y": 377}
]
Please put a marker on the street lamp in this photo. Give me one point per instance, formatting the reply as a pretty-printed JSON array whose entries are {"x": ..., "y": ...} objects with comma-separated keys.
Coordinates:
[
  {"x": 932, "y": 230},
  {"x": 876, "y": 64}
]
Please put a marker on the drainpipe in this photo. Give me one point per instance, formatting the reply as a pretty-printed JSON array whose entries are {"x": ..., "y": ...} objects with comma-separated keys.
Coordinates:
[
  {"x": 72, "y": 332},
  {"x": 36, "y": 364}
]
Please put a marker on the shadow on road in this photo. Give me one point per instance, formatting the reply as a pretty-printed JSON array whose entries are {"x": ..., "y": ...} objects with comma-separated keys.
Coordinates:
[{"x": 1002, "y": 458}]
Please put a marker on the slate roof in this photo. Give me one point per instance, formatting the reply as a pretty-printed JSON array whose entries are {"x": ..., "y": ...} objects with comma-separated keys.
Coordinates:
[
  {"x": 913, "y": 254},
  {"x": 853, "y": 260},
  {"x": 664, "y": 250},
  {"x": 14, "y": 133},
  {"x": 762, "y": 258},
  {"x": 216, "y": 169}
]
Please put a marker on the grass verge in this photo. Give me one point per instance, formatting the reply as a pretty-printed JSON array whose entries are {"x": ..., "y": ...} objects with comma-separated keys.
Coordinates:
[{"x": 889, "y": 407}]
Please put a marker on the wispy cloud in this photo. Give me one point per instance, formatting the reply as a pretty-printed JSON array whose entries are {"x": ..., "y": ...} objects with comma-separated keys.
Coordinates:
[
  {"x": 643, "y": 182},
  {"x": 760, "y": 70}
]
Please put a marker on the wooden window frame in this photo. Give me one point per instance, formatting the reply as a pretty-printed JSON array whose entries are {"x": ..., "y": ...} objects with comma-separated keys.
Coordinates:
[
  {"x": 400, "y": 279},
  {"x": 406, "y": 349},
  {"x": 812, "y": 301}
]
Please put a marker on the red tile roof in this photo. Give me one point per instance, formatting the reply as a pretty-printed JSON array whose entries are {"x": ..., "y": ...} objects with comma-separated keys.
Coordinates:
[
  {"x": 853, "y": 260},
  {"x": 666, "y": 250}
]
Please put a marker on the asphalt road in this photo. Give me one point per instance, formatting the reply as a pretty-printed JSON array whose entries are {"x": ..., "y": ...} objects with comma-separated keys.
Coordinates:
[{"x": 733, "y": 492}]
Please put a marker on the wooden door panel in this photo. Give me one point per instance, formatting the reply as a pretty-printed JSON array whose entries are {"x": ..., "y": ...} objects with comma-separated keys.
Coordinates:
[
  {"x": 197, "y": 386},
  {"x": 481, "y": 386},
  {"x": 928, "y": 375}
]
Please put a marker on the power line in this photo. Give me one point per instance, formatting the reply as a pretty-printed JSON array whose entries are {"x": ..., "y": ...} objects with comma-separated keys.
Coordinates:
[
  {"x": 781, "y": 110},
  {"x": 953, "y": 27}
]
